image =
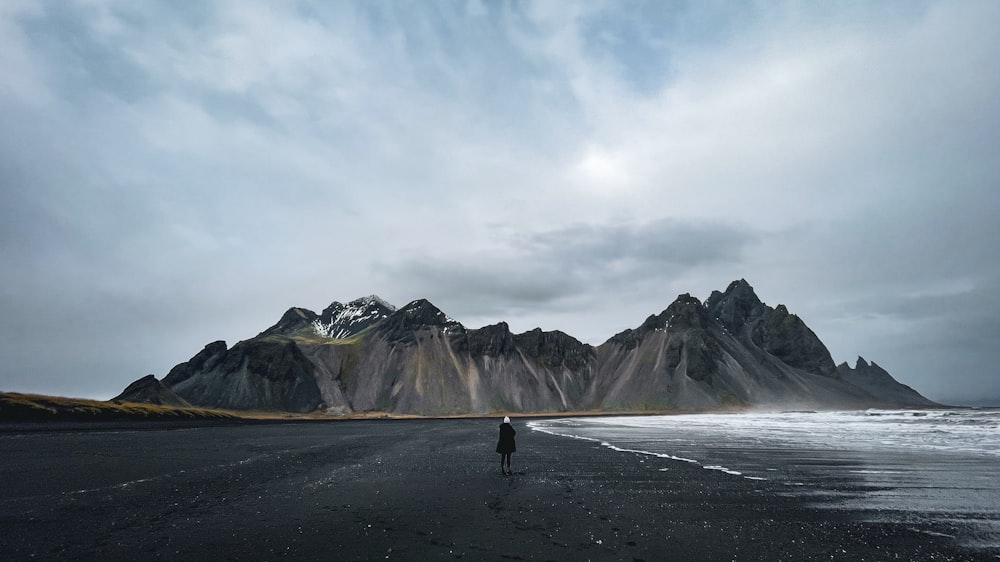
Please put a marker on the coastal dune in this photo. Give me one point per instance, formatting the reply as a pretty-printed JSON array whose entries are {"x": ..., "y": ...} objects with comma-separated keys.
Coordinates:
[{"x": 404, "y": 490}]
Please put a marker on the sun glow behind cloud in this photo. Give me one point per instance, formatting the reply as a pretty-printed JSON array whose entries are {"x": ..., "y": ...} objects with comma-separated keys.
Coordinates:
[{"x": 602, "y": 171}]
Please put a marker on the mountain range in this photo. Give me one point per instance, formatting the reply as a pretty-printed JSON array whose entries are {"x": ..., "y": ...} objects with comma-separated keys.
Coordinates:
[{"x": 730, "y": 352}]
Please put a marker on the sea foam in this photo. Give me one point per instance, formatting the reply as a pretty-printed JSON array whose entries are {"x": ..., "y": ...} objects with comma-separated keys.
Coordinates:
[{"x": 936, "y": 466}]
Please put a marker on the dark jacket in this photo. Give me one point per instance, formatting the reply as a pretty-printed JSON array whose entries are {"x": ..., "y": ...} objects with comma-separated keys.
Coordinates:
[{"x": 506, "y": 442}]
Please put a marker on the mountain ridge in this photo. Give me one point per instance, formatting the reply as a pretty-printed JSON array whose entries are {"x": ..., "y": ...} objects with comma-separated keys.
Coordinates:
[{"x": 731, "y": 351}]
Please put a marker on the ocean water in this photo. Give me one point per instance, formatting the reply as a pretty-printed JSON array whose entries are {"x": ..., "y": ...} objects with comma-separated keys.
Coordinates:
[{"x": 936, "y": 467}]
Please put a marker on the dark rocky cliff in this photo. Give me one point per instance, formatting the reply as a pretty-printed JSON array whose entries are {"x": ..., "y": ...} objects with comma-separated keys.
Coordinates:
[
  {"x": 264, "y": 373},
  {"x": 149, "y": 390},
  {"x": 880, "y": 384},
  {"x": 731, "y": 351},
  {"x": 773, "y": 330}
]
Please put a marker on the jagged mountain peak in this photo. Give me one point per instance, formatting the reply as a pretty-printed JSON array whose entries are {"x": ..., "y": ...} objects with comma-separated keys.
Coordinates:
[
  {"x": 552, "y": 334},
  {"x": 371, "y": 301},
  {"x": 494, "y": 340},
  {"x": 345, "y": 320},
  {"x": 336, "y": 321},
  {"x": 685, "y": 299},
  {"x": 787, "y": 337},
  {"x": 204, "y": 360},
  {"x": 419, "y": 314},
  {"x": 293, "y": 320},
  {"x": 555, "y": 348},
  {"x": 417, "y": 359},
  {"x": 880, "y": 384},
  {"x": 298, "y": 312},
  {"x": 736, "y": 290},
  {"x": 151, "y": 390},
  {"x": 736, "y": 306},
  {"x": 860, "y": 365},
  {"x": 686, "y": 312},
  {"x": 423, "y": 311},
  {"x": 498, "y": 329},
  {"x": 740, "y": 285}
]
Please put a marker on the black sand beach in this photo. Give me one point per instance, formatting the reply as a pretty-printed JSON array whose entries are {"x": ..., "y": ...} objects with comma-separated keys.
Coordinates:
[{"x": 404, "y": 490}]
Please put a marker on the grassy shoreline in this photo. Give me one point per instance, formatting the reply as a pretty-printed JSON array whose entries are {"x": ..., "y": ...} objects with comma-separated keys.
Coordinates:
[
  {"x": 27, "y": 407},
  {"x": 20, "y": 407},
  {"x": 17, "y": 407}
]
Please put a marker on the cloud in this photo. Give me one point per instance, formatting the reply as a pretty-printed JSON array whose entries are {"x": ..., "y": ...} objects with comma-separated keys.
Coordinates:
[
  {"x": 22, "y": 81},
  {"x": 570, "y": 267},
  {"x": 175, "y": 173}
]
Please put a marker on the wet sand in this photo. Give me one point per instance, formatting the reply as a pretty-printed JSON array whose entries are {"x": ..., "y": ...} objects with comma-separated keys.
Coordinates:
[{"x": 404, "y": 490}]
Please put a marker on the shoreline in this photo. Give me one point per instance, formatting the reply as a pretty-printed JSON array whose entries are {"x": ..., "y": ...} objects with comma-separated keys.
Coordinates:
[
  {"x": 35, "y": 412},
  {"x": 9, "y": 425},
  {"x": 407, "y": 490}
]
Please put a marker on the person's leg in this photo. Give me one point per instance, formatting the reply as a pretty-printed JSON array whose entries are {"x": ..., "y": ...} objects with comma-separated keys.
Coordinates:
[
  {"x": 509, "y": 455},
  {"x": 502, "y": 455}
]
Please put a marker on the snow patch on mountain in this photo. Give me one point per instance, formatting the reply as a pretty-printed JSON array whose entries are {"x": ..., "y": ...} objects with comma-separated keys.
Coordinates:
[{"x": 340, "y": 321}]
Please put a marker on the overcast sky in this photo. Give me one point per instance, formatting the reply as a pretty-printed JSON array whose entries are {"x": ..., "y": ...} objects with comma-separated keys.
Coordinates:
[{"x": 174, "y": 173}]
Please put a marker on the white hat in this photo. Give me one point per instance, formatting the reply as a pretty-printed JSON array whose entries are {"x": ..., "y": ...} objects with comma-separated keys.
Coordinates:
[{"x": 506, "y": 419}]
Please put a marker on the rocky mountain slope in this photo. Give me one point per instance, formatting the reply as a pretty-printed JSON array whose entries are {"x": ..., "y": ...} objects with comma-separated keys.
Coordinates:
[
  {"x": 732, "y": 351},
  {"x": 149, "y": 390}
]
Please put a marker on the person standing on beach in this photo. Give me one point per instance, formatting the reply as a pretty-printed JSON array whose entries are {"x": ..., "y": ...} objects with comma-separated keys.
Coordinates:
[{"x": 506, "y": 445}]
